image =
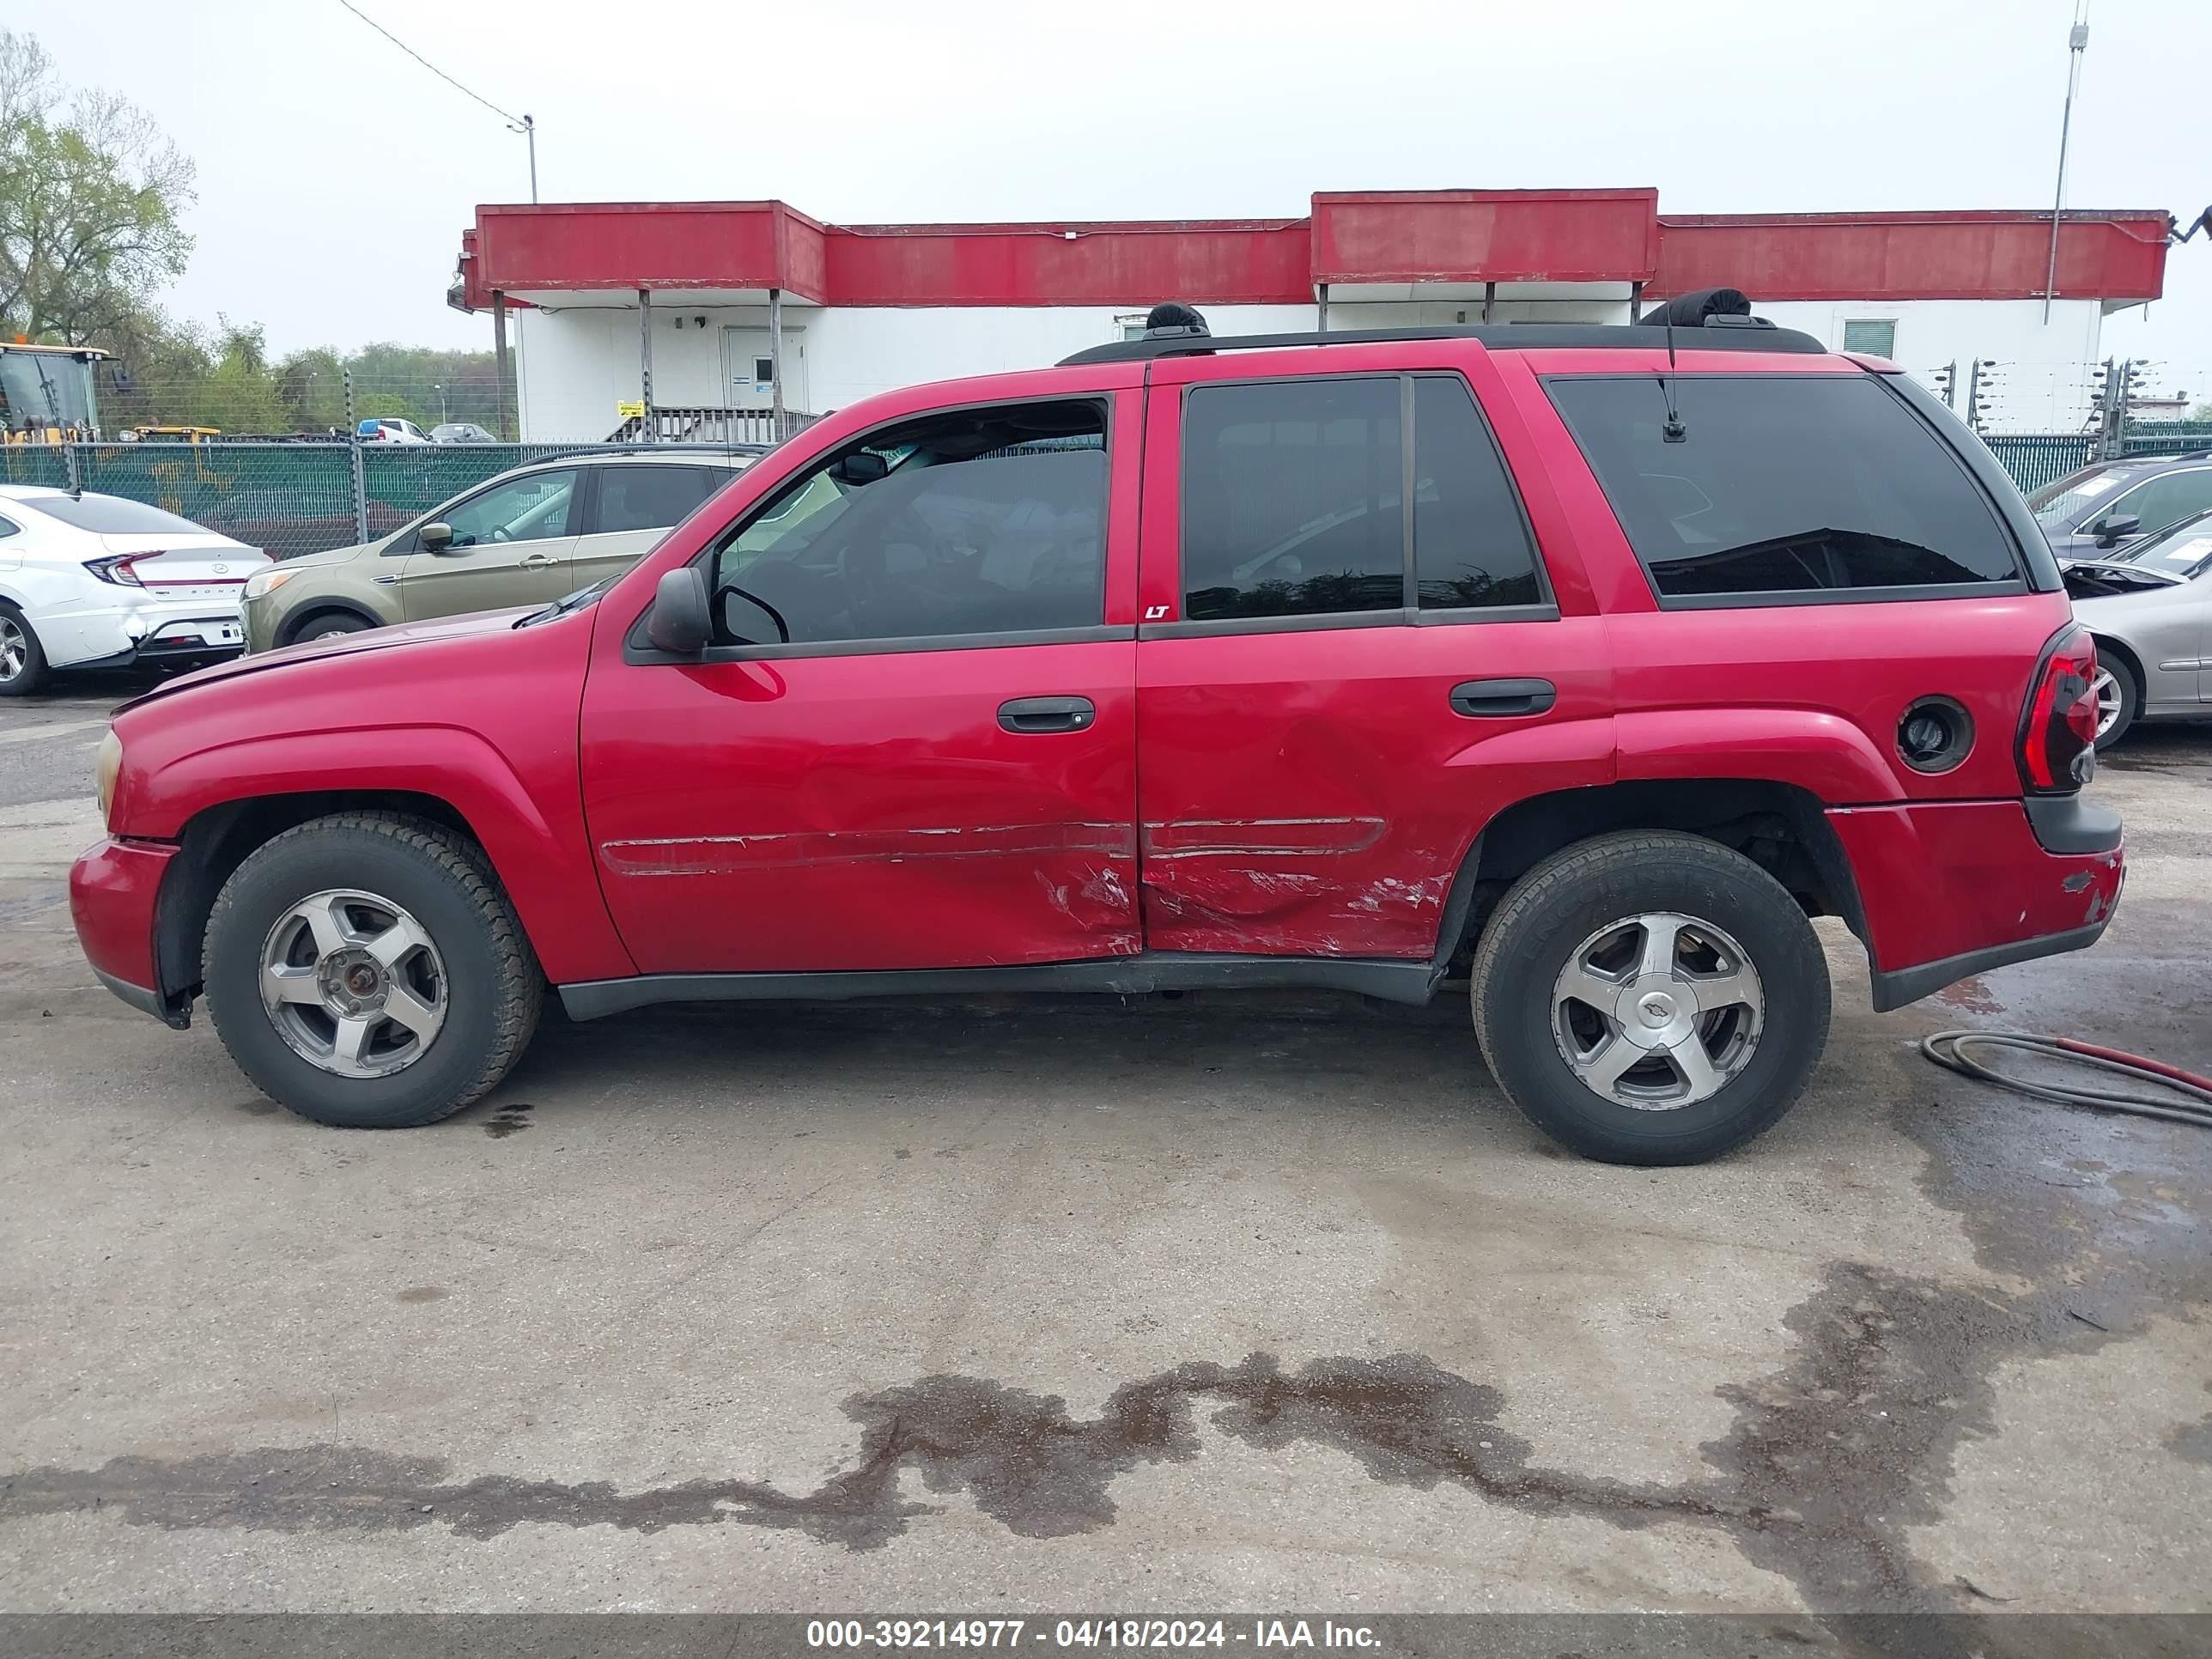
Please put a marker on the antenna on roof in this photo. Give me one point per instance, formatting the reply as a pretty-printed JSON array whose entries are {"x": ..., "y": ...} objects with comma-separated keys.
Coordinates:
[{"x": 1673, "y": 431}]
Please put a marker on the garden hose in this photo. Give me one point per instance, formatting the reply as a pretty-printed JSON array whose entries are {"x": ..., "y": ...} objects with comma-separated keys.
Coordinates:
[{"x": 1948, "y": 1049}]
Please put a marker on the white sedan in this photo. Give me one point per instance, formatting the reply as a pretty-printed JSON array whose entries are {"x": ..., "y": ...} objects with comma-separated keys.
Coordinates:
[{"x": 89, "y": 580}]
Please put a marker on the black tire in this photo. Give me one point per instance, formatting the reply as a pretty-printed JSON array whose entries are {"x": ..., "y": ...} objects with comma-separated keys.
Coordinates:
[
  {"x": 323, "y": 624},
  {"x": 2123, "y": 676},
  {"x": 494, "y": 984},
  {"x": 33, "y": 676},
  {"x": 1576, "y": 893}
]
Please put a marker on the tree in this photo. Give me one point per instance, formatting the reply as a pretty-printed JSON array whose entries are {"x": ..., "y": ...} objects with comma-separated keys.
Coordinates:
[{"x": 91, "y": 199}]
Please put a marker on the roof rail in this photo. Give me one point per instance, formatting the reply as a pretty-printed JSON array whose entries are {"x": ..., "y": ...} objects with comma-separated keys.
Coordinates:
[{"x": 1494, "y": 337}]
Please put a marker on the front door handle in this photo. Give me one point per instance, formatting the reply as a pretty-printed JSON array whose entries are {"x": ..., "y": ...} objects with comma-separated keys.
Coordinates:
[
  {"x": 1491, "y": 700},
  {"x": 1030, "y": 716},
  {"x": 535, "y": 560}
]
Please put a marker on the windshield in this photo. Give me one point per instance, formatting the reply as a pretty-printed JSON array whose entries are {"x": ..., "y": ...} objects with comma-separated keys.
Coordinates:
[
  {"x": 44, "y": 388},
  {"x": 2181, "y": 551},
  {"x": 2065, "y": 502}
]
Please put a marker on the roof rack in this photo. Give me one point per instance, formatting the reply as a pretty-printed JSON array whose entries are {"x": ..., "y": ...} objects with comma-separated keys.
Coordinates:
[{"x": 1495, "y": 336}]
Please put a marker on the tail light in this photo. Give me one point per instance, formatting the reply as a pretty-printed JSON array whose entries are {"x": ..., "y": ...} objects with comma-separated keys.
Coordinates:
[
  {"x": 2058, "y": 732},
  {"x": 117, "y": 569}
]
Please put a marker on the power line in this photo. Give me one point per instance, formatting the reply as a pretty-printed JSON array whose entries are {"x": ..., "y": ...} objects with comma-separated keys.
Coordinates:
[{"x": 515, "y": 121}]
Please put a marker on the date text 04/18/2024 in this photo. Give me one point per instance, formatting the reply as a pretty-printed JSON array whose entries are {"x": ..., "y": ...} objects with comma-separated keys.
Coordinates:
[{"x": 1092, "y": 1632}]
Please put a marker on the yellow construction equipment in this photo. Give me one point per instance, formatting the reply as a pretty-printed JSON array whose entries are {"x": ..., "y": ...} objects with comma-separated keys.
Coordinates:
[{"x": 46, "y": 394}]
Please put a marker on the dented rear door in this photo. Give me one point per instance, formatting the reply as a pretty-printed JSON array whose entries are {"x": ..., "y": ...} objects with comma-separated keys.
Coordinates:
[{"x": 1353, "y": 655}]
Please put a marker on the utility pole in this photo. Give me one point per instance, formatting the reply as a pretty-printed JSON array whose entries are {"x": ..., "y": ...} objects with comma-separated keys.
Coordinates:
[
  {"x": 1974, "y": 394},
  {"x": 2077, "y": 42}
]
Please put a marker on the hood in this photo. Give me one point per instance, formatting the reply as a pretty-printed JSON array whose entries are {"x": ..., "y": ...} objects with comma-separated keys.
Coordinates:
[{"x": 397, "y": 637}]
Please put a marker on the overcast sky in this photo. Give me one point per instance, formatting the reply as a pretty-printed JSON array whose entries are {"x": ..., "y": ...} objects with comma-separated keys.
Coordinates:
[{"x": 335, "y": 174}]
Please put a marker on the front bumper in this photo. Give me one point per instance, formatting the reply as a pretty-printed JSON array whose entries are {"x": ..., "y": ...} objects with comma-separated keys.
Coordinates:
[
  {"x": 1949, "y": 890},
  {"x": 115, "y": 887}
]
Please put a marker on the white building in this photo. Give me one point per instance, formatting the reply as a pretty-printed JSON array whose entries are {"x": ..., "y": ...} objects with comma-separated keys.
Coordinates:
[{"x": 702, "y": 311}]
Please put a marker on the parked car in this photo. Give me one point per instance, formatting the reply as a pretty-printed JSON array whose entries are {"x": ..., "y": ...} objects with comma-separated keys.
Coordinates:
[
  {"x": 524, "y": 537},
  {"x": 391, "y": 429},
  {"x": 2149, "y": 608},
  {"x": 2111, "y": 505},
  {"x": 98, "y": 581},
  {"x": 460, "y": 431},
  {"x": 1539, "y": 655}
]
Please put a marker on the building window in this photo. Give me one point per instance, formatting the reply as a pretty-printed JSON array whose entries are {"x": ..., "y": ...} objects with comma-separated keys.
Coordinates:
[
  {"x": 764, "y": 370},
  {"x": 1874, "y": 335},
  {"x": 1130, "y": 327}
]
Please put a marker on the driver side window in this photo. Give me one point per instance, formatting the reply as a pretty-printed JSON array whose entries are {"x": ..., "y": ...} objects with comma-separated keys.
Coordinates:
[
  {"x": 534, "y": 507},
  {"x": 989, "y": 521}
]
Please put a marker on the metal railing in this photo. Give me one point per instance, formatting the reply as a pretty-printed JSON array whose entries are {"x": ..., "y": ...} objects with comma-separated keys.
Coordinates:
[{"x": 709, "y": 425}]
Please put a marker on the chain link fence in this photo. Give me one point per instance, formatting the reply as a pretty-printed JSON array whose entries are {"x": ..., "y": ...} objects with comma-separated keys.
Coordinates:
[
  {"x": 303, "y": 496},
  {"x": 286, "y": 498}
]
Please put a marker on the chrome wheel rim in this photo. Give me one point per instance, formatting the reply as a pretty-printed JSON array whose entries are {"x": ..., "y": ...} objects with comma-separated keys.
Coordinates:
[
  {"x": 14, "y": 648},
  {"x": 2106, "y": 686},
  {"x": 1658, "y": 1011},
  {"x": 353, "y": 983}
]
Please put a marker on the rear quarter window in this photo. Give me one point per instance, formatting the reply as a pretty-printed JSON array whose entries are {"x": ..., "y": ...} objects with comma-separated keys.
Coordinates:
[{"x": 1796, "y": 486}]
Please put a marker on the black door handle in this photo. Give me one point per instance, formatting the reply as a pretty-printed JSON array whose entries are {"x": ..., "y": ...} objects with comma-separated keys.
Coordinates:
[
  {"x": 1491, "y": 700},
  {"x": 1029, "y": 716}
]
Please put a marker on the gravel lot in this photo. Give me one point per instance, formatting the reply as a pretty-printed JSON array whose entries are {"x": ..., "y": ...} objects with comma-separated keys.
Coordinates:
[{"x": 1206, "y": 1303}]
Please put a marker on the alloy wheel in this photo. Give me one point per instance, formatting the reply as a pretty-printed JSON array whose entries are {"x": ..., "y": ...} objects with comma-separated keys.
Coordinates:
[
  {"x": 1658, "y": 1011},
  {"x": 353, "y": 983},
  {"x": 14, "y": 649},
  {"x": 2110, "y": 701}
]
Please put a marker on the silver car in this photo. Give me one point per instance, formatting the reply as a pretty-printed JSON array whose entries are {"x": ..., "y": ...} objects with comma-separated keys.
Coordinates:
[{"x": 2150, "y": 608}]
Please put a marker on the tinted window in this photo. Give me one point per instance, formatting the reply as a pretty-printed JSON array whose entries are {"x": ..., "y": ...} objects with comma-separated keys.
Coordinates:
[
  {"x": 1783, "y": 485},
  {"x": 6, "y": 529},
  {"x": 1471, "y": 545},
  {"x": 983, "y": 521},
  {"x": 1292, "y": 499},
  {"x": 2163, "y": 501},
  {"x": 533, "y": 507},
  {"x": 111, "y": 515},
  {"x": 650, "y": 497}
]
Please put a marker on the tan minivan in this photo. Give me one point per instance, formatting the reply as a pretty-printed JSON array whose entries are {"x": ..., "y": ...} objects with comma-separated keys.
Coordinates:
[{"x": 526, "y": 536}]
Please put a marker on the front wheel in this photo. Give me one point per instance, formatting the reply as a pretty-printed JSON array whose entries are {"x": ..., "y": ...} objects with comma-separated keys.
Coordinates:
[
  {"x": 367, "y": 971},
  {"x": 1651, "y": 998}
]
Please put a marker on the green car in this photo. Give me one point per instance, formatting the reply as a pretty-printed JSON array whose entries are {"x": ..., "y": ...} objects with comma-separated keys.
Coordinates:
[{"x": 526, "y": 536}]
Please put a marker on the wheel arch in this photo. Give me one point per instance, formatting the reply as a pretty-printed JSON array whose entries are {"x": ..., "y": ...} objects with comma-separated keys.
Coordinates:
[
  {"x": 2112, "y": 645},
  {"x": 1781, "y": 827},
  {"x": 296, "y": 624}
]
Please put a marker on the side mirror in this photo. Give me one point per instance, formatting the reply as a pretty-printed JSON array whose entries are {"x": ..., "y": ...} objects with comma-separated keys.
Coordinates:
[
  {"x": 678, "y": 622},
  {"x": 2109, "y": 531},
  {"x": 861, "y": 467},
  {"x": 435, "y": 538}
]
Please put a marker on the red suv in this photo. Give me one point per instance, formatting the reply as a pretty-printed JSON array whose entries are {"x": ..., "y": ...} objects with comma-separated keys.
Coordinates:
[{"x": 1589, "y": 662}]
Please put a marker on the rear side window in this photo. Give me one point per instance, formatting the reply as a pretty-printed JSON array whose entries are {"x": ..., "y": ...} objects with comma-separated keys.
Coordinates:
[
  {"x": 651, "y": 496},
  {"x": 1295, "y": 493},
  {"x": 1783, "y": 485},
  {"x": 1290, "y": 493}
]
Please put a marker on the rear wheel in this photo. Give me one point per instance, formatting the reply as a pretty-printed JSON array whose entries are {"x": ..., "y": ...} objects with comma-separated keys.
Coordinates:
[
  {"x": 1651, "y": 998},
  {"x": 366, "y": 971},
  {"x": 22, "y": 659},
  {"x": 2119, "y": 700}
]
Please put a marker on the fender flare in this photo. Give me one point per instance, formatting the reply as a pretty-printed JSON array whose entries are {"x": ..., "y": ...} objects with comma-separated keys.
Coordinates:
[{"x": 543, "y": 867}]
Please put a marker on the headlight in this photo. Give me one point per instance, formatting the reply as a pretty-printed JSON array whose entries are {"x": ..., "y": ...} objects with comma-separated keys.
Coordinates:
[
  {"x": 106, "y": 766},
  {"x": 263, "y": 582}
]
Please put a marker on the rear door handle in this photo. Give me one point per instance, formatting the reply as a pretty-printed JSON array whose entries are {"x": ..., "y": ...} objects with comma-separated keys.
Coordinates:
[
  {"x": 1491, "y": 700},
  {"x": 1030, "y": 716}
]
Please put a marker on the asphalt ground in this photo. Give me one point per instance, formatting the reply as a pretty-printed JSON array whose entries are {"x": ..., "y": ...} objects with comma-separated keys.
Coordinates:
[{"x": 1211, "y": 1303}]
